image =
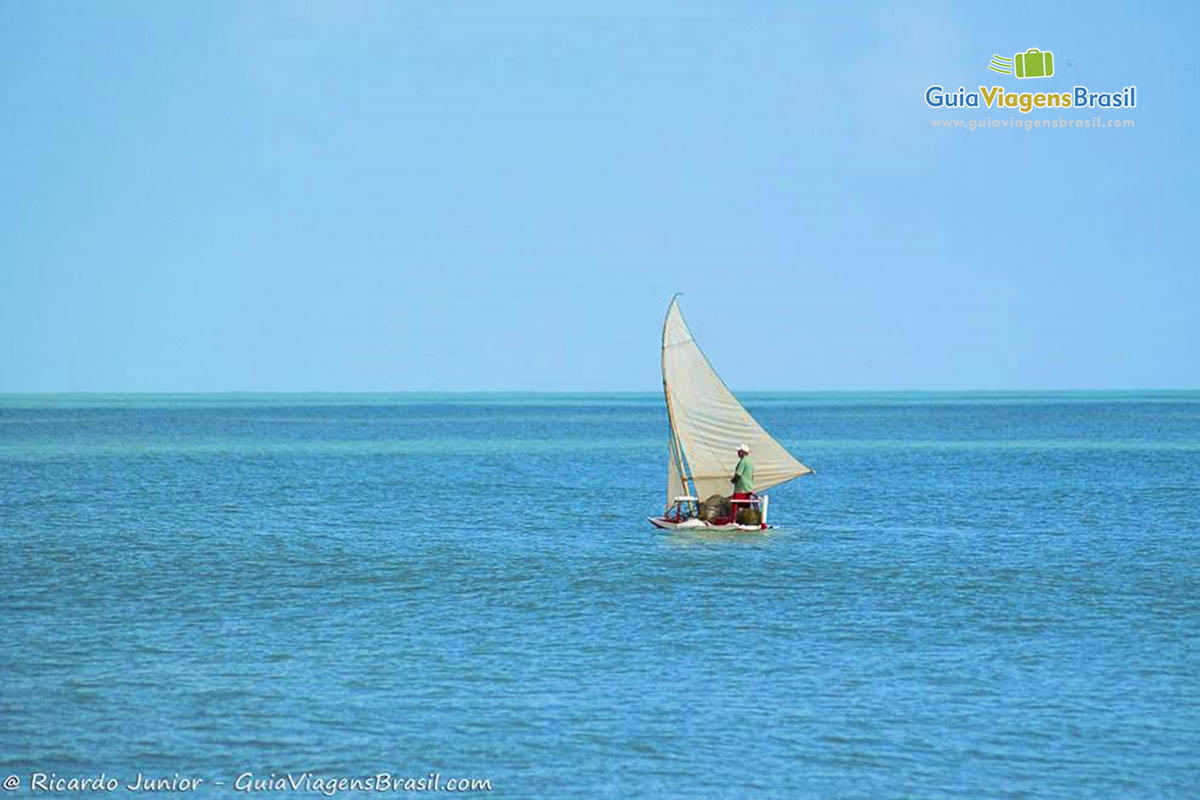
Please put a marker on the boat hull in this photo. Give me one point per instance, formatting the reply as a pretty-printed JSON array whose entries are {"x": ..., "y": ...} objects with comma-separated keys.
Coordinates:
[{"x": 701, "y": 525}]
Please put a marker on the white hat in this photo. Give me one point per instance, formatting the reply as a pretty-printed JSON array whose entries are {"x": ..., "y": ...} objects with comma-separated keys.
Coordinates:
[{"x": 745, "y": 448}]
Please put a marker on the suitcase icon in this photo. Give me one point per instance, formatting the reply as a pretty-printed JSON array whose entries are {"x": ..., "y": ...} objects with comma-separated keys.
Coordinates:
[{"x": 1034, "y": 63}]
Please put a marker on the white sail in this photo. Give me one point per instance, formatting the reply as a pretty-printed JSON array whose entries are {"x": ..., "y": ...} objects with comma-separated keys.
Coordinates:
[{"x": 708, "y": 423}]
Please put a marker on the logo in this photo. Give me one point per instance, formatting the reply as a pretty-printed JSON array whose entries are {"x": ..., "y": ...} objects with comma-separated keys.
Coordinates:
[{"x": 1033, "y": 63}]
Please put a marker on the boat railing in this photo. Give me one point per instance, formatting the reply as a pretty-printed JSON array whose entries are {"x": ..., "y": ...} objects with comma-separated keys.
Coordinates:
[
  {"x": 683, "y": 507},
  {"x": 753, "y": 501},
  {"x": 688, "y": 506}
]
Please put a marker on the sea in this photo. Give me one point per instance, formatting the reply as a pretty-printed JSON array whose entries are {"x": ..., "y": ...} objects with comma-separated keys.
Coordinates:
[{"x": 975, "y": 595}]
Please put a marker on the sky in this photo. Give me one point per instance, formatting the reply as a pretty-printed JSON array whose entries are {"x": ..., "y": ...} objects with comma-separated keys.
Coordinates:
[{"x": 362, "y": 196}]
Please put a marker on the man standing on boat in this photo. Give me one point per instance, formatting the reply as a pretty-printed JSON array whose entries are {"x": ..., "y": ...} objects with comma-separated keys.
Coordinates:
[{"x": 743, "y": 479}]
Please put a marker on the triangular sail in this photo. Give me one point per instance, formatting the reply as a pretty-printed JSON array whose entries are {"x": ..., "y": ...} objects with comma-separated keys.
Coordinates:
[{"x": 709, "y": 423}]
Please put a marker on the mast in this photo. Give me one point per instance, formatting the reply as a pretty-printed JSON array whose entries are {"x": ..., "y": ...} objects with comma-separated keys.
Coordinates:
[{"x": 674, "y": 448}]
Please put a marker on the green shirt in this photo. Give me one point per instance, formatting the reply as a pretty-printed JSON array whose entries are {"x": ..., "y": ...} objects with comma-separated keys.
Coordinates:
[{"x": 743, "y": 475}]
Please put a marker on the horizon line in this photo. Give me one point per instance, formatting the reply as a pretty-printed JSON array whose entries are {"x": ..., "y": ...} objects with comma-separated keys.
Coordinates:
[{"x": 631, "y": 392}]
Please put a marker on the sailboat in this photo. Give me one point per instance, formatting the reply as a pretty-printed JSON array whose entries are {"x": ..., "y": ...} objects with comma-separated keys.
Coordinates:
[{"x": 707, "y": 428}]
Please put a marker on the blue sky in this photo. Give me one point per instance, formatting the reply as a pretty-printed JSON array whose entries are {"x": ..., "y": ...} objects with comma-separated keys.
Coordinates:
[{"x": 503, "y": 196}]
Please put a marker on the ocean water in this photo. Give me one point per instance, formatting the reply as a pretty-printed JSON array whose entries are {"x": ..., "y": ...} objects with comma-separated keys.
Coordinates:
[{"x": 976, "y": 595}]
